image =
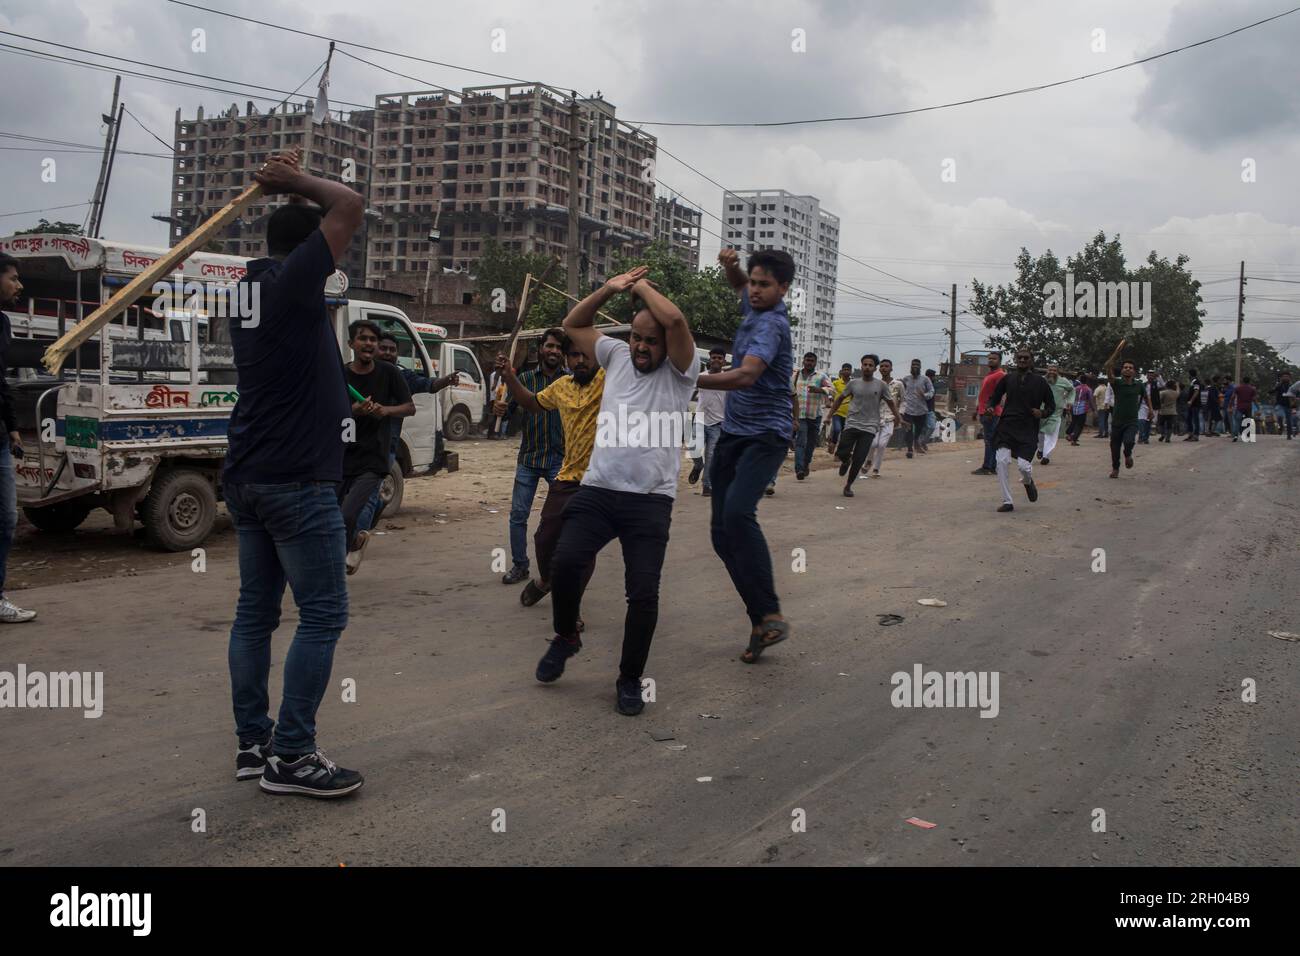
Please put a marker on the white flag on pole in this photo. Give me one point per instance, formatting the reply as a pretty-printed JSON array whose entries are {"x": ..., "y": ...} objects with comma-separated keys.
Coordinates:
[{"x": 321, "y": 110}]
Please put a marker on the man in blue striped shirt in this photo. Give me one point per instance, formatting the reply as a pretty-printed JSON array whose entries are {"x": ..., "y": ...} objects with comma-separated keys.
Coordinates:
[{"x": 540, "y": 452}]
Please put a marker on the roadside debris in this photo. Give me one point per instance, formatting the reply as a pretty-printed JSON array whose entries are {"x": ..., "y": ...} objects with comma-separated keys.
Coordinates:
[
  {"x": 923, "y": 824},
  {"x": 885, "y": 620},
  {"x": 932, "y": 602}
]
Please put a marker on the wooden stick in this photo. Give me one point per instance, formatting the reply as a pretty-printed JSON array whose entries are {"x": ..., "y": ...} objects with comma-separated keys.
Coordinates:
[
  {"x": 525, "y": 301},
  {"x": 600, "y": 312},
  {"x": 58, "y": 353}
]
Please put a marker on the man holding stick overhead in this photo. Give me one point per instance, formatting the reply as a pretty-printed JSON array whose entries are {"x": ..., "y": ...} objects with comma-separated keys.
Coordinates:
[
  {"x": 282, "y": 472},
  {"x": 1130, "y": 395},
  {"x": 631, "y": 479}
]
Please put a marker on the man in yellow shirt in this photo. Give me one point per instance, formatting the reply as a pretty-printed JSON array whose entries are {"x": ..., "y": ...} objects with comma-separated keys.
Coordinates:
[
  {"x": 837, "y": 420},
  {"x": 576, "y": 397}
]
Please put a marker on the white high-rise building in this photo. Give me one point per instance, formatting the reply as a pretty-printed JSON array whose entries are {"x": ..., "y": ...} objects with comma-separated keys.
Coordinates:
[{"x": 775, "y": 219}]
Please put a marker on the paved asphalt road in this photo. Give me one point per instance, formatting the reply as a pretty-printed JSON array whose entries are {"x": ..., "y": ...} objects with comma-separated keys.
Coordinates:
[{"x": 1119, "y": 691}]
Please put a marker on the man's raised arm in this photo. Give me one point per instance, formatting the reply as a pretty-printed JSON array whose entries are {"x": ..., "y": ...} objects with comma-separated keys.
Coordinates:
[
  {"x": 729, "y": 259},
  {"x": 580, "y": 322}
]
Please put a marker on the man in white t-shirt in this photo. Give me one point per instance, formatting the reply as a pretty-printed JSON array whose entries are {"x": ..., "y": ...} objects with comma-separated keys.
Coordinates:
[
  {"x": 710, "y": 407},
  {"x": 631, "y": 481}
]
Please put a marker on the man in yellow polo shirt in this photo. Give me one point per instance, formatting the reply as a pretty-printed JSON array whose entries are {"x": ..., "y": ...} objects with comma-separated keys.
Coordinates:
[
  {"x": 837, "y": 420},
  {"x": 576, "y": 397}
]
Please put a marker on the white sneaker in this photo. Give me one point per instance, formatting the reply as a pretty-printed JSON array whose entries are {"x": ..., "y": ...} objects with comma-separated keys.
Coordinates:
[
  {"x": 11, "y": 613},
  {"x": 353, "y": 560}
]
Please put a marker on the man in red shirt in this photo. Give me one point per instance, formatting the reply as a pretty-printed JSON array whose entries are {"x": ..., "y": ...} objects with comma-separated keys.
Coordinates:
[
  {"x": 1244, "y": 395},
  {"x": 987, "y": 415}
]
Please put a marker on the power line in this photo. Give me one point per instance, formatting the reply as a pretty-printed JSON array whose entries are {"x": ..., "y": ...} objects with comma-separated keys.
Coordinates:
[
  {"x": 147, "y": 129},
  {"x": 979, "y": 99},
  {"x": 29, "y": 212},
  {"x": 46, "y": 149}
]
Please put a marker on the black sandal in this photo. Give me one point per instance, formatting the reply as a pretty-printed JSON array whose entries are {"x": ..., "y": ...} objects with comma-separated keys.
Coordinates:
[
  {"x": 531, "y": 593},
  {"x": 761, "y": 641}
]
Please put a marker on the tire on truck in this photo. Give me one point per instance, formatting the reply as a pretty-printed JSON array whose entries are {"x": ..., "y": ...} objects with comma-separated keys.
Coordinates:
[
  {"x": 390, "y": 492},
  {"x": 458, "y": 425},
  {"x": 179, "y": 510},
  {"x": 62, "y": 517}
]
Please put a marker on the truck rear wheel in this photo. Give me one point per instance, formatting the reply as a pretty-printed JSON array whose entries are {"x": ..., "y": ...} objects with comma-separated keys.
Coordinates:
[
  {"x": 63, "y": 517},
  {"x": 458, "y": 426},
  {"x": 180, "y": 510},
  {"x": 390, "y": 492}
]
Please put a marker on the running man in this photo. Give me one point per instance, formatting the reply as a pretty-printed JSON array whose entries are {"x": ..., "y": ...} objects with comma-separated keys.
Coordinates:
[
  {"x": 1049, "y": 431},
  {"x": 576, "y": 397},
  {"x": 710, "y": 409},
  {"x": 1079, "y": 411},
  {"x": 987, "y": 414},
  {"x": 1129, "y": 394},
  {"x": 541, "y": 451},
  {"x": 1025, "y": 398},
  {"x": 863, "y": 421},
  {"x": 755, "y": 435},
  {"x": 837, "y": 420},
  {"x": 631, "y": 479},
  {"x": 917, "y": 392},
  {"x": 283, "y": 466},
  {"x": 894, "y": 387},
  {"x": 809, "y": 388}
]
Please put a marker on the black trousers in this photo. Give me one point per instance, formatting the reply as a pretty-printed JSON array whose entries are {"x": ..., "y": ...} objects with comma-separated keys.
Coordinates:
[
  {"x": 916, "y": 433},
  {"x": 593, "y": 518},
  {"x": 354, "y": 493},
  {"x": 1124, "y": 435},
  {"x": 549, "y": 526},
  {"x": 854, "y": 446}
]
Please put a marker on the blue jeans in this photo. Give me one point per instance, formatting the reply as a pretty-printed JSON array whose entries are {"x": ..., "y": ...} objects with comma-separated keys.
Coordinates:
[
  {"x": 837, "y": 426},
  {"x": 287, "y": 533},
  {"x": 1103, "y": 423},
  {"x": 805, "y": 442},
  {"x": 740, "y": 474},
  {"x": 711, "y": 435},
  {"x": 1144, "y": 431},
  {"x": 8, "y": 507},
  {"x": 521, "y": 503},
  {"x": 370, "y": 513},
  {"x": 1284, "y": 414},
  {"x": 989, "y": 424}
]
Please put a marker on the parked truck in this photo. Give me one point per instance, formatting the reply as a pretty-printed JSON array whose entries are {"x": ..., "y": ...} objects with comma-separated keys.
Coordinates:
[{"x": 136, "y": 421}]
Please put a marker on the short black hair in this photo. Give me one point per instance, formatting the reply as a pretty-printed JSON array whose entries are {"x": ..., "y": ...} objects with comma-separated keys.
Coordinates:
[
  {"x": 871, "y": 355},
  {"x": 7, "y": 262},
  {"x": 289, "y": 227},
  {"x": 360, "y": 324},
  {"x": 1192, "y": 372},
  {"x": 718, "y": 351},
  {"x": 810, "y": 355},
  {"x": 930, "y": 371},
  {"x": 780, "y": 264},
  {"x": 558, "y": 335},
  {"x": 884, "y": 360},
  {"x": 846, "y": 365},
  {"x": 1245, "y": 380},
  {"x": 388, "y": 335}
]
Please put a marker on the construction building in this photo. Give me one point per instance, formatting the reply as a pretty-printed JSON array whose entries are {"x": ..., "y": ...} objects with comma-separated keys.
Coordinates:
[
  {"x": 777, "y": 219},
  {"x": 217, "y": 156},
  {"x": 455, "y": 169},
  {"x": 677, "y": 225}
]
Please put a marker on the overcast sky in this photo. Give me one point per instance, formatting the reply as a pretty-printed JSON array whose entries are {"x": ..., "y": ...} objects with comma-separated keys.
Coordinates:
[{"x": 1153, "y": 152}]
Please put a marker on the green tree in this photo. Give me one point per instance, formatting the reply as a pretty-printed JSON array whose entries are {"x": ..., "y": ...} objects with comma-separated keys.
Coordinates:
[
  {"x": 503, "y": 269},
  {"x": 705, "y": 298},
  {"x": 1018, "y": 316},
  {"x": 62, "y": 228},
  {"x": 1259, "y": 360}
]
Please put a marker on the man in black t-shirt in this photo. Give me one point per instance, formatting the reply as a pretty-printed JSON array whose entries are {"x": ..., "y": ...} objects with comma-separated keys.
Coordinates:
[
  {"x": 281, "y": 474},
  {"x": 365, "y": 458},
  {"x": 1026, "y": 398}
]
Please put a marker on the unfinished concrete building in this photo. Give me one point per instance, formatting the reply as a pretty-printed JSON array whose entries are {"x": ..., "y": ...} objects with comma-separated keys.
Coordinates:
[
  {"x": 454, "y": 169},
  {"x": 217, "y": 156},
  {"x": 677, "y": 224}
]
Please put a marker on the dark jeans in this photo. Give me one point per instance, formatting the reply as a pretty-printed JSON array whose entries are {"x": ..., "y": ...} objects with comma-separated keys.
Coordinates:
[
  {"x": 916, "y": 433},
  {"x": 549, "y": 526},
  {"x": 593, "y": 518},
  {"x": 1077, "y": 422},
  {"x": 354, "y": 496},
  {"x": 521, "y": 503},
  {"x": 8, "y": 506},
  {"x": 1144, "y": 431},
  {"x": 291, "y": 533},
  {"x": 1194, "y": 420},
  {"x": 741, "y": 471},
  {"x": 805, "y": 442},
  {"x": 854, "y": 446},
  {"x": 1124, "y": 435},
  {"x": 989, "y": 423},
  {"x": 1166, "y": 423},
  {"x": 374, "y": 508}
]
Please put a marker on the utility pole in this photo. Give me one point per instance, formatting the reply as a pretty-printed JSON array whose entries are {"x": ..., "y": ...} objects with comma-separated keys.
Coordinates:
[
  {"x": 98, "y": 197},
  {"x": 952, "y": 347},
  {"x": 112, "y": 156},
  {"x": 575, "y": 164},
  {"x": 1241, "y": 308}
]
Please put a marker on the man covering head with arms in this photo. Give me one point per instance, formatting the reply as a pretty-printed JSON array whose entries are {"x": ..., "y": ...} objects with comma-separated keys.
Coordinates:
[{"x": 631, "y": 479}]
